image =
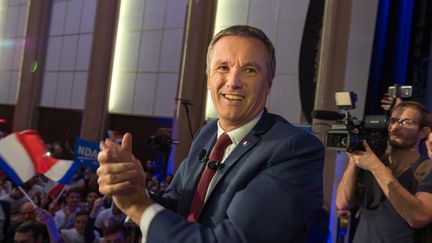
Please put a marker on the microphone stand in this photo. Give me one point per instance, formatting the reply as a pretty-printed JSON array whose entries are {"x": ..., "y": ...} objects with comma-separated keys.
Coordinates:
[{"x": 186, "y": 103}]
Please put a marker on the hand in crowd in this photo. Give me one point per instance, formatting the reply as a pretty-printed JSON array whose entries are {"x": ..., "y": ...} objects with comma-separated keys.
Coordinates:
[
  {"x": 365, "y": 159},
  {"x": 67, "y": 212},
  {"x": 343, "y": 213},
  {"x": 44, "y": 217},
  {"x": 386, "y": 102},
  {"x": 97, "y": 206},
  {"x": 122, "y": 176}
]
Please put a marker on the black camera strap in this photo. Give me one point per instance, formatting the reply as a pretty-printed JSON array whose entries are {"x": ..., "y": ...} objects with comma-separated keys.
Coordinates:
[
  {"x": 369, "y": 193},
  {"x": 421, "y": 169}
]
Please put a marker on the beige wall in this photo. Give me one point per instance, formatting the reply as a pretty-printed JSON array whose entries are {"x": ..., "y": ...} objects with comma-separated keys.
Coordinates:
[
  {"x": 68, "y": 54},
  {"x": 147, "y": 57},
  {"x": 13, "y": 15}
]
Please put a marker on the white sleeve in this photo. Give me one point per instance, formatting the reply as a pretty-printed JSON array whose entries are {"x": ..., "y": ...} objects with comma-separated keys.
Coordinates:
[
  {"x": 146, "y": 218},
  {"x": 59, "y": 219}
]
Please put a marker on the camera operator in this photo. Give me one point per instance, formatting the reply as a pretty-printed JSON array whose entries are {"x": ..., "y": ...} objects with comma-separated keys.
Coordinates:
[{"x": 401, "y": 206}]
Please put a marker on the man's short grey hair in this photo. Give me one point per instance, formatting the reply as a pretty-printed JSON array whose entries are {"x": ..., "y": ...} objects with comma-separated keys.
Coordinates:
[{"x": 245, "y": 31}]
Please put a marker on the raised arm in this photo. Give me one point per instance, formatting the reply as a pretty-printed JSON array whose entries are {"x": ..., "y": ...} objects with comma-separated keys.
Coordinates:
[
  {"x": 416, "y": 209},
  {"x": 346, "y": 188},
  {"x": 45, "y": 218}
]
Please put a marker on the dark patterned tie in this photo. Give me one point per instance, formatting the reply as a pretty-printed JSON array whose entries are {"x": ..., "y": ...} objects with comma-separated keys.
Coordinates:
[{"x": 216, "y": 155}]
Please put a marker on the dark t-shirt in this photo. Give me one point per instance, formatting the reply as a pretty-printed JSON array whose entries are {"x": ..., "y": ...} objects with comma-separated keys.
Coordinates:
[
  {"x": 381, "y": 223},
  {"x": 426, "y": 184}
]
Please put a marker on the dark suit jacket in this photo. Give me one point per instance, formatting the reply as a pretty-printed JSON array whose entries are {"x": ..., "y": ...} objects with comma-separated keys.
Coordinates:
[{"x": 267, "y": 191}]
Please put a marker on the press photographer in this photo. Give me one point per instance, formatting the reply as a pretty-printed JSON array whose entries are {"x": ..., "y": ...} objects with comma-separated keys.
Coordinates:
[{"x": 396, "y": 195}]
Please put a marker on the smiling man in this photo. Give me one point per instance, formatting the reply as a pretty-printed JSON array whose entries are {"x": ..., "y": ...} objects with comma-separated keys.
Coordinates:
[
  {"x": 250, "y": 175},
  {"x": 396, "y": 203}
]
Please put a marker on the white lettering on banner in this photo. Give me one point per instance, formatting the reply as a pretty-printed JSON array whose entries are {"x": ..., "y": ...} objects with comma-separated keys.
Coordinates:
[{"x": 87, "y": 152}]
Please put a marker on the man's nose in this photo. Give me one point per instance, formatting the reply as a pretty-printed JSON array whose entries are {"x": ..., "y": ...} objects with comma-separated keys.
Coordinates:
[
  {"x": 393, "y": 126},
  {"x": 233, "y": 79}
]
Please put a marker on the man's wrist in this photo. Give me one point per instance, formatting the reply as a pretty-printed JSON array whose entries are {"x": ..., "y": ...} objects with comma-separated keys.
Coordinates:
[
  {"x": 380, "y": 169},
  {"x": 135, "y": 212}
]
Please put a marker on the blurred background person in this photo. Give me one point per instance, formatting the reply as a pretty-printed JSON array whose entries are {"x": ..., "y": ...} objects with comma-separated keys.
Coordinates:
[
  {"x": 64, "y": 218},
  {"x": 116, "y": 233},
  {"x": 108, "y": 216},
  {"x": 80, "y": 233},
  {"x": 28, "y": 232}
]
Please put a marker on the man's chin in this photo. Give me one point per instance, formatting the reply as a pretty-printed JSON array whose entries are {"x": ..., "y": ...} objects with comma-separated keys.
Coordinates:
[
  {"x": 396, "y": 144},
  {"x": 400, "y": 145},
  {"x": 231, "y": 117}
]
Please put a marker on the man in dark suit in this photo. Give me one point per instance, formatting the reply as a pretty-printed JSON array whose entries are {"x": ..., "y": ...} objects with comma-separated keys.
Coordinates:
[{"x": 263, "y": 185}]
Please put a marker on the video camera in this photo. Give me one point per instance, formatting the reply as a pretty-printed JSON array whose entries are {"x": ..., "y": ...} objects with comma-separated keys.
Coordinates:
[
  {"x": 348, "y": 132},
  {"x": 162, "y": 140}
]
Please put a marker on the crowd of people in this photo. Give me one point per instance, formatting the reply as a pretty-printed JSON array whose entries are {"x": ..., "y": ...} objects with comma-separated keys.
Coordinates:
[{"x": 76, "y": 213}]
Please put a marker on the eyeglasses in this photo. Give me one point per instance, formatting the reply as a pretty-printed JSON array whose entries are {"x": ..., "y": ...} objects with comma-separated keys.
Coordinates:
[{"x": 402, "y": 122}]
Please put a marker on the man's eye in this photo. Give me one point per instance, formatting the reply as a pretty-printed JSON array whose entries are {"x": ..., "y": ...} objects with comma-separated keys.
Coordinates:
[
  {"x": 406, "y": 122},
  {"x": 250, "y": 71},
  {"x": 223, "y": 68}
]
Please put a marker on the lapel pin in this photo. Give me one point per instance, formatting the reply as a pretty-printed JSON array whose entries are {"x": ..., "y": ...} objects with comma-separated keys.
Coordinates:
[{"x": 245, "y": 143}]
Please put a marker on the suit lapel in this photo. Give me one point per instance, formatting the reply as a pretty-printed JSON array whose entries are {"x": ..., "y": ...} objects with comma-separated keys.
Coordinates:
[
  {"x": 199, "y": 164},
  {"x": 197, "y": 169},
  {"x": 234, "y": 157},
  {"x": 247, "y": 143}
]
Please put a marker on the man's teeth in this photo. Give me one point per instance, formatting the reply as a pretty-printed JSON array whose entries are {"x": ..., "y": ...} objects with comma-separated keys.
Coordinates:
[{"x": 233, "y": 97}]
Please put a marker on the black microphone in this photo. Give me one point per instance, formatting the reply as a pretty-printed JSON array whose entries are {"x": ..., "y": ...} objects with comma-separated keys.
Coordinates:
[
  {"x": 327, "y": 115},
  {"x": 215, "y": 165},
  {"x": 202, "y": 155}
]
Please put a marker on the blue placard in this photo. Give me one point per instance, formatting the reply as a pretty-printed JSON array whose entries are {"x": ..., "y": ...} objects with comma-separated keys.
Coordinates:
[{"x": 85, "y": 153}]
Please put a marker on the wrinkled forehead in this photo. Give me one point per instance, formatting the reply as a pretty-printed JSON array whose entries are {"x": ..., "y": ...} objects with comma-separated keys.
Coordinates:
[
  {"x": 232, "y": 43},
  {"x": 406, "y": 113},
  {"x": 242, "y": 51}
]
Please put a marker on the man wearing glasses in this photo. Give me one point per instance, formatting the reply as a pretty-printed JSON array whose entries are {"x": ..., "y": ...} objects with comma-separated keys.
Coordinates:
[{"x": 395, "y": 206}]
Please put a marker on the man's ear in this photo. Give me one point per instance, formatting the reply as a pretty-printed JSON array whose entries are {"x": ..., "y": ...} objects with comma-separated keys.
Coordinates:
[
  {"x": 424, "y": 132},
  {"x": 269, "y": 83}
]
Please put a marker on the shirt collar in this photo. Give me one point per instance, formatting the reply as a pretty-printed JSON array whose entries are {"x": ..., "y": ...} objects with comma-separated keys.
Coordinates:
[{"x": 239, "y": 133}]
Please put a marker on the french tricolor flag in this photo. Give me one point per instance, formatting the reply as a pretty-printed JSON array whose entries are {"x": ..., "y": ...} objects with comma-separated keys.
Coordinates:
[
  {"x": 53, "y": 188},
  {"x": 115, "y": 136},
  {"x": 23, "y": 154}
]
